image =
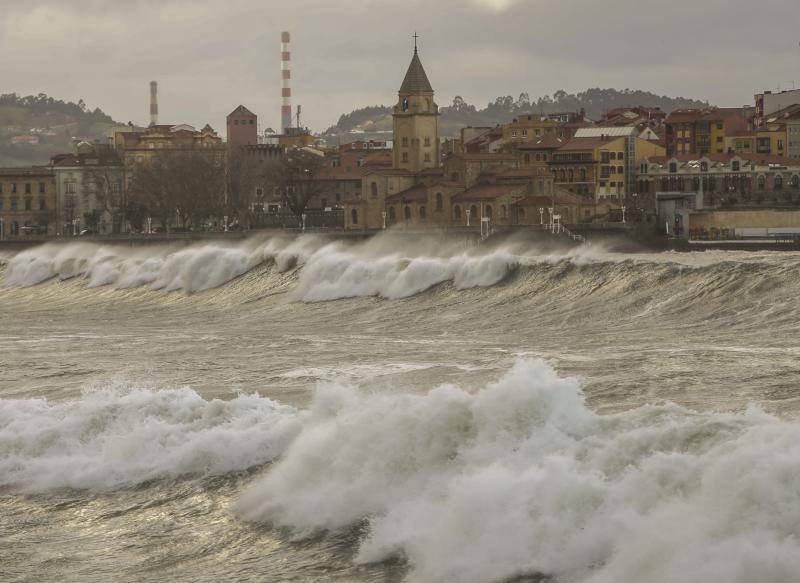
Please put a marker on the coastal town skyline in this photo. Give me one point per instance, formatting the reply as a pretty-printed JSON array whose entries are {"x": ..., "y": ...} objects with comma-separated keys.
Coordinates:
[{"x": 205, "y": 55}]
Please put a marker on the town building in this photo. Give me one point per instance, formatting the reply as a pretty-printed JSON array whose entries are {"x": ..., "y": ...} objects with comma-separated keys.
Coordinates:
[
  {"x": 141, "y": 147},
  {"x": 703, "y": 131},
  {"x": 242, "y": 125},
  {"x": 27, "y": 201},
  {"x": 89, "y": 184}
]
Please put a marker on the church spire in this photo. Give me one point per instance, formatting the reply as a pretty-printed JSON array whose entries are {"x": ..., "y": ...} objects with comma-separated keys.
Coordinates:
[{"x": 416, "y": 81}]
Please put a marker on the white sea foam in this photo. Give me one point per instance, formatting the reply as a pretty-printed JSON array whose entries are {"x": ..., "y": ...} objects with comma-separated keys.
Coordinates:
[
  {"x": 111, "y": 438},
  {"x": 522, "y": 478},
  {"x": 338, "y": 272}
]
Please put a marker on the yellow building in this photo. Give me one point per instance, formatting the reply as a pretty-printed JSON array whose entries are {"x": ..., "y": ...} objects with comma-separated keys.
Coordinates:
[{"x": 526, "y": 128}]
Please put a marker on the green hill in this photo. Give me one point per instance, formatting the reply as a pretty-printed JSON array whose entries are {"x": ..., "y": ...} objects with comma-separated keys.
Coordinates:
[
  {"x": 376, "y": 121},
  {"x": 50, "y": 122}
]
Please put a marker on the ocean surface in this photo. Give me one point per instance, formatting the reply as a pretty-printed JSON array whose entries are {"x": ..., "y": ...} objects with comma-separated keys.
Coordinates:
[{"x": 306, "y": 410}]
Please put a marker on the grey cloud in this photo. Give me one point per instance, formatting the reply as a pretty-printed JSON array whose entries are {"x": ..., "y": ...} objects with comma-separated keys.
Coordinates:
[{"x": 209, "y": 56}]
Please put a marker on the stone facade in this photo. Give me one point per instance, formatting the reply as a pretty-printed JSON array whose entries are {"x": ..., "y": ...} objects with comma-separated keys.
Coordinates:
[{"x": 27, "y": 202}]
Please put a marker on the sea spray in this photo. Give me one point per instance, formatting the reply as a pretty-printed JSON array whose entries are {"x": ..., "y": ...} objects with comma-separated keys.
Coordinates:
[
  {"x": 113, "y": 438},
  {"x": 521, "y": 478}
]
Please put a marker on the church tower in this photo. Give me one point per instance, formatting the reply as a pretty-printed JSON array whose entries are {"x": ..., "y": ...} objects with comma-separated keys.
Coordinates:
[{"x": 416, "y": 121}]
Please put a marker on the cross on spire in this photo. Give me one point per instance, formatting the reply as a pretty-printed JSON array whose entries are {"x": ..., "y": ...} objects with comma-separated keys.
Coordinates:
[{"x": 416, "y": 36}]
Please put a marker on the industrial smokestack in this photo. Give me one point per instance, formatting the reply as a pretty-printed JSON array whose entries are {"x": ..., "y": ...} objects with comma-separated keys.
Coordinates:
[
  {"x": 286, "y": 90},
  {"x": 153, "y": 103}
]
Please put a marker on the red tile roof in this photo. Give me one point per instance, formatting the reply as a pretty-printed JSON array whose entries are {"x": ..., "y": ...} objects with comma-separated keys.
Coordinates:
[
  {"x": 548, "y": 142},
  {"x": 486, "y": 191},
  {"x": 414, "y": 194}
]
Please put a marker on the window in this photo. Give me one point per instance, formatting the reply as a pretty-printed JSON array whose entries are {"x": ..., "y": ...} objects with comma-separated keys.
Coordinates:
[
  {"x": 571, "y": 175},
  {"x": 427, "y": 156},
  {"x": 392, "y": 214},
  {"x": 612, "y": 155},
  {"x": 1, "y": 188},
  {"x": 251, "y": 122},
  {"x": 13, "y": 204},
  {"x": 473, "y": 211},
  {"x": 620, "y": 155},
  {"x": 422, "y": 215},
  {"x": 514, "y": 134},
  {"x": 42, "y": 188},
  {"x": 374, "y": 190},
  {"x": 736, "y": 165},
  {"x": 703, "y": 166},
  {"x": 28, "y": 204},
  {"x": 503, "y": 211},
  {"x": 405, "y": 142},
  {"x": 407, "y": 213},
  {"x": 427, "y": 141},
  {"x": 236, "y": 122},
  {"x": 1, "y": 203},
  {"x": 604, "y": 157},
  {"x": 488, "y": 211},
  {"x": 354, "y": 217},
  {"x": 583, "y": 175},
  {"x": 762, "y": 181},
  {"x": 405, "y": 156},
  {"x": 777, "y": 182},
  {"x": 42, "y": 205},
  {"x": 70, "y": 188},
  {"x": 795, "y": 181},
  {"x": 620, "y": 170},
  {"x": 524, "y": 133},
  {"x": 454, "y": 177},
  {"x": 13, "y": 188},
  {"x": 457, "y": 212},
  {"x": 673, "y": 167},
  {"x": 439, "y": 201}
]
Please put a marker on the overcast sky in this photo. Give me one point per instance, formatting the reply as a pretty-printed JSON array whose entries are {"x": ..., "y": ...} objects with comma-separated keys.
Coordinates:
[{"x": 211, "y": 55}]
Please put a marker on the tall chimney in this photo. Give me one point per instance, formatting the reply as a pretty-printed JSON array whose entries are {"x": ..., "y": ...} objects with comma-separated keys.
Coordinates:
[
  {"x": 286, "y": 90},
  {"x": 153, "y": 103}
]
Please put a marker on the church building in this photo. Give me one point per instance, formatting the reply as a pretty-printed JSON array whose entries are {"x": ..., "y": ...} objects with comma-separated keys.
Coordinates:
[{"x": 421, "y": 189}]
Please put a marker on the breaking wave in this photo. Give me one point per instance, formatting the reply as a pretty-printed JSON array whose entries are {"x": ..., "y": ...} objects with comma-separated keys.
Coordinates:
[
  {"x": 517, "y": 479},
  {"x": 521, "y": 479},
  {"x": 119, "y": 437}
]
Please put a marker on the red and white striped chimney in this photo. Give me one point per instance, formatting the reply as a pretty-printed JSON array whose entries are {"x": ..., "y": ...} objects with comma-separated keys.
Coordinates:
[
  {"x": 153, "y": 103},
  {"x": 286, "y": 90}
]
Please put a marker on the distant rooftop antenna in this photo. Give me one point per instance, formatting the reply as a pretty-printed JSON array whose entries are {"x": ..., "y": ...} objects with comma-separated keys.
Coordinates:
[{"x": 153, "y": 103}]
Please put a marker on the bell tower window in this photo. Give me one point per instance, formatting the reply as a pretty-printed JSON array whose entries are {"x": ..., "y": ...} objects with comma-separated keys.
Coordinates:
[{"x": 405, "y": 104}]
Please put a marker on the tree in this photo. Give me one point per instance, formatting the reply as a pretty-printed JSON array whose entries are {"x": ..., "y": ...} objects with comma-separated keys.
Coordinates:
[
  {"x": 187, "y": 185},
  {"x": 294, "y": 176},
  {"x": 103, "y": 183},
  {"x": 242, "y": 175}
]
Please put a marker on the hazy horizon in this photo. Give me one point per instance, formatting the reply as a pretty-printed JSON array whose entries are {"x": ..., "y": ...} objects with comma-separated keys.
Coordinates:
[{"x": 209, "y": 58}]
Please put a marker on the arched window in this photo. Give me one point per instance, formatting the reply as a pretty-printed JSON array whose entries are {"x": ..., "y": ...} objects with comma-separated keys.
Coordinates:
[
  {"x": 777, "y": 182},
  {"x": 795, "y": 181},
  {"x": 488, "y": 211},
  {"x": 673, "y": 167},
  {"x": 503, "y": 211},
  {"x": 354, "y": 217},
  {"x": 473, "y": 211},
  {"x": 583, "y": 174},
  {"x": 392, "y": 214},
  {"x": 736, "y": 165},
  {"x": 457, "y": 212},
  {"x": 571, "y": 175},
  {"x": 521, "y": 212},
  {"x": 407, "y": 213},
  {"x": 422, "y": 214},
  {"x": 374, "y": 189},
  {"x": 703, "y": 166},
  {"x": 439, "y": 201},
  {"x": 562, "y": 175},
  {"x": 762, "y": 181}
]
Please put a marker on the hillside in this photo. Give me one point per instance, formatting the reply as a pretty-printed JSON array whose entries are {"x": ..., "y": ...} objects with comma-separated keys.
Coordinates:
[
  {"x": 375, "y": 122},
  {"x": 35, "y": 127}
]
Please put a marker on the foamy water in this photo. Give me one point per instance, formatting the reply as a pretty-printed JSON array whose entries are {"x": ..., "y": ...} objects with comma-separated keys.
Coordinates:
[{"x": 314, "y": 410}]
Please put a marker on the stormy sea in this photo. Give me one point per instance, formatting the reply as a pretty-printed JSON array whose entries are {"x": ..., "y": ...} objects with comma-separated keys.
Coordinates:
[{"x": 301, "y": 409}]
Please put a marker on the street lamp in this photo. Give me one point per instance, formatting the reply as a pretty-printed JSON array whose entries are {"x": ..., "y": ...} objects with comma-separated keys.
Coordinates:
[
  {"x": 149, "y": 225},
  {"x": 2, "y": 230},
  {"x": 541, "y": 216},
  {"x": 551, "y": 210},
  {"x": 383, "y": 214},
  {"x": 624, "y": 208},
  {"x": 303, "y": 216},
  {"x": 468, "y": 212}
]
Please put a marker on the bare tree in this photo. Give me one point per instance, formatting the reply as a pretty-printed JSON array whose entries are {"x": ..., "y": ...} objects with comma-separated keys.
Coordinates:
[
  {"x": 187, "y": 185},
  {"x": 295, "y": 177},
  {"x": 104, "y": 185},
  {"x": 242, "y": 176}
]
